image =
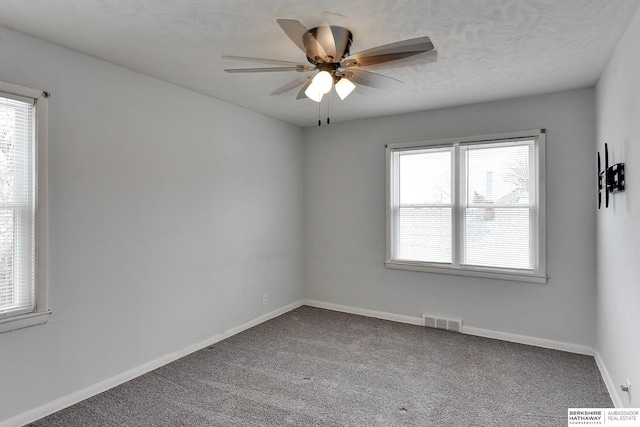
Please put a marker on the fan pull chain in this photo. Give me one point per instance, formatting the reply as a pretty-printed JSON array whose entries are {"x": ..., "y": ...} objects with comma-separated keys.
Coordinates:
[{"x": 320, "y": 113}]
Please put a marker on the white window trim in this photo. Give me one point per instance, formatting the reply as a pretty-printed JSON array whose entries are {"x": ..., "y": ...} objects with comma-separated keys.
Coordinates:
[
  {"x": 41, "y": 312},
  {"x": 538, "y": 276}
]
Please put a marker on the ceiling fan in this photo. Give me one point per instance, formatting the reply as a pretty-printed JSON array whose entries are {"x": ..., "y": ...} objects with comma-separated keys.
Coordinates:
[{"x": 327, "y": 50}]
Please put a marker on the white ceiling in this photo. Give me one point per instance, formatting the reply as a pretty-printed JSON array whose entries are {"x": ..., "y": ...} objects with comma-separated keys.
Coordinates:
[{"x": 487, "y": 49}]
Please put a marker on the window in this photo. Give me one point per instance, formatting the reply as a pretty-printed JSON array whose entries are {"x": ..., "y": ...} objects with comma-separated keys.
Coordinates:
[
  {"x": 470, "y": 206},
  {"x": 23, "y": 184}
]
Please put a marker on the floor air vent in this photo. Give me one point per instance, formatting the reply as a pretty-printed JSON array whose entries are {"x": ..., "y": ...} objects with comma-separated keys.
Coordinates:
[{"x": 438, "y": 322}]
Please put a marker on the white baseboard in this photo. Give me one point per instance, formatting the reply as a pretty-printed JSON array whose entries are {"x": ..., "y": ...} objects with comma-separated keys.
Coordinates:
[
  {"x": 504, "y": 336},
  {"x": 105, "y": 385},
  {"x": 365, "y": 312},
  {"x": 528, "y": 340},
  {"x": 608, "y": 381}
]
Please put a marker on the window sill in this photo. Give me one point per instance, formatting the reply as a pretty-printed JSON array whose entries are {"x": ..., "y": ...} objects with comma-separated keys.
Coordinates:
[
  {"x": 24, "y": 321},
  {"x": 517, "y": 277}
]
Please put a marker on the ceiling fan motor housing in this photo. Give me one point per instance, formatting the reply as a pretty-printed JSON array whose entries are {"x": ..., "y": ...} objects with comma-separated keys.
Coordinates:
[{"x": 317, "y": 54}]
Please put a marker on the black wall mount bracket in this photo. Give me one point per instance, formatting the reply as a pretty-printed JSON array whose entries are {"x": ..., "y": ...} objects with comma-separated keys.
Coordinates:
[{"x": 613, "y": 177}]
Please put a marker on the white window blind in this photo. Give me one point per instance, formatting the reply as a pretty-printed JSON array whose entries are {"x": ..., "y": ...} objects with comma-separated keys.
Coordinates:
[
  {"x": 17, "y": 206},
  {"x": 423, "y": 211},
  {"x": 498, "y": 209},
  {"x": 471, "y": 206}
]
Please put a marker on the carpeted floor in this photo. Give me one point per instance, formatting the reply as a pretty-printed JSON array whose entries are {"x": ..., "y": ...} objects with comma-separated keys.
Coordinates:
[{"x": 314, "y": 367}]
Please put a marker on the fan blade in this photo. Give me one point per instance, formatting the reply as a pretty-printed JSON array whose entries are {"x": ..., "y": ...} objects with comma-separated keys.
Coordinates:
[
  {"x": 327, "y": 44},
  {"x": 389, "y": 52},
  {"x": 264, "y": 70},
  {"x": 294, "y": 30},
  {"x": 342, "y": 40},
  {"x": 312, "y": 47},
  {"x": 418, "y": 44},
  {"x": 408, "y": 61},
  {"x": 324, "y": 36},
  {"x": 291, "y": 85},
  {"x": 367, "y": 78},
  {"x": 262, "y": 60},
  {"x": 301, "y": 94}
]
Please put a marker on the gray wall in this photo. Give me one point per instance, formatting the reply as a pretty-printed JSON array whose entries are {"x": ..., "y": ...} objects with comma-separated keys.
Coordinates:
[
  {"x": 154, "y": 245},
  {"x": 171, "y": 213},
  {"x": 618, "y": 107},
  {"x": 344, "y": 220}
]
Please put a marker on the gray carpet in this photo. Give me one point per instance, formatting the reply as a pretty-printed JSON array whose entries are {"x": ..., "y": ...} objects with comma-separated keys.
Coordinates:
[{"x": 314, "y": 367}]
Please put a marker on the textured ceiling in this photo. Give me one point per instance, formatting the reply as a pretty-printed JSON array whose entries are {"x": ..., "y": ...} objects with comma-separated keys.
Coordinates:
[{"x": 487, "y": 49}]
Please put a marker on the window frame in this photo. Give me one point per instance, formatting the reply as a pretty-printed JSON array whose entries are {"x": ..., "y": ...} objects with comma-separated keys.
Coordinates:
[
  {"x": 41, "y": 312},
  {"x": 537, "y": 275}
]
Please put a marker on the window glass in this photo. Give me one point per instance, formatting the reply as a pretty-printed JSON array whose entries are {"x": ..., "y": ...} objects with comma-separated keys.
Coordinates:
[
  {"x": 424, "y": 209},
  {"x": 472, "y": 206}
]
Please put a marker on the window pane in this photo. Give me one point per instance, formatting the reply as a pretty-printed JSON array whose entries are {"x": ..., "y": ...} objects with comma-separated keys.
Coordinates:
[
  {"x": 425, "y": 177},
  {"x": 17, "y": 196},
  {"x": 424, "y": 234},
  {"x": 498, "y": 237},
  {"x": 8, "y": 294},
  {"x": 499, "y": 174}
]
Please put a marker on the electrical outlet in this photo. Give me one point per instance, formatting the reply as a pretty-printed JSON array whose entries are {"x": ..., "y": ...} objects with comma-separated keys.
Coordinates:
[
  {"x": 265, "y": 299},
  {"x": 626, "y": 388}
]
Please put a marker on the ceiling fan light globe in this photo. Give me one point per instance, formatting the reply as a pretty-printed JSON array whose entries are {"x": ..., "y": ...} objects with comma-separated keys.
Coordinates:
[
  {"x": 323, "y": 82},
  {"x": 344, "y": 87},
  {"x": 313, "y": 93}
]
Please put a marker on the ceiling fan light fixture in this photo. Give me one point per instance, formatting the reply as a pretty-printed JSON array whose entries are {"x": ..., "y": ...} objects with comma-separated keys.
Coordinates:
[
  {"x": 344, "y": 87},
  {"x": 323, "y": 81},
  {"x": 313, "y": 93}
]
